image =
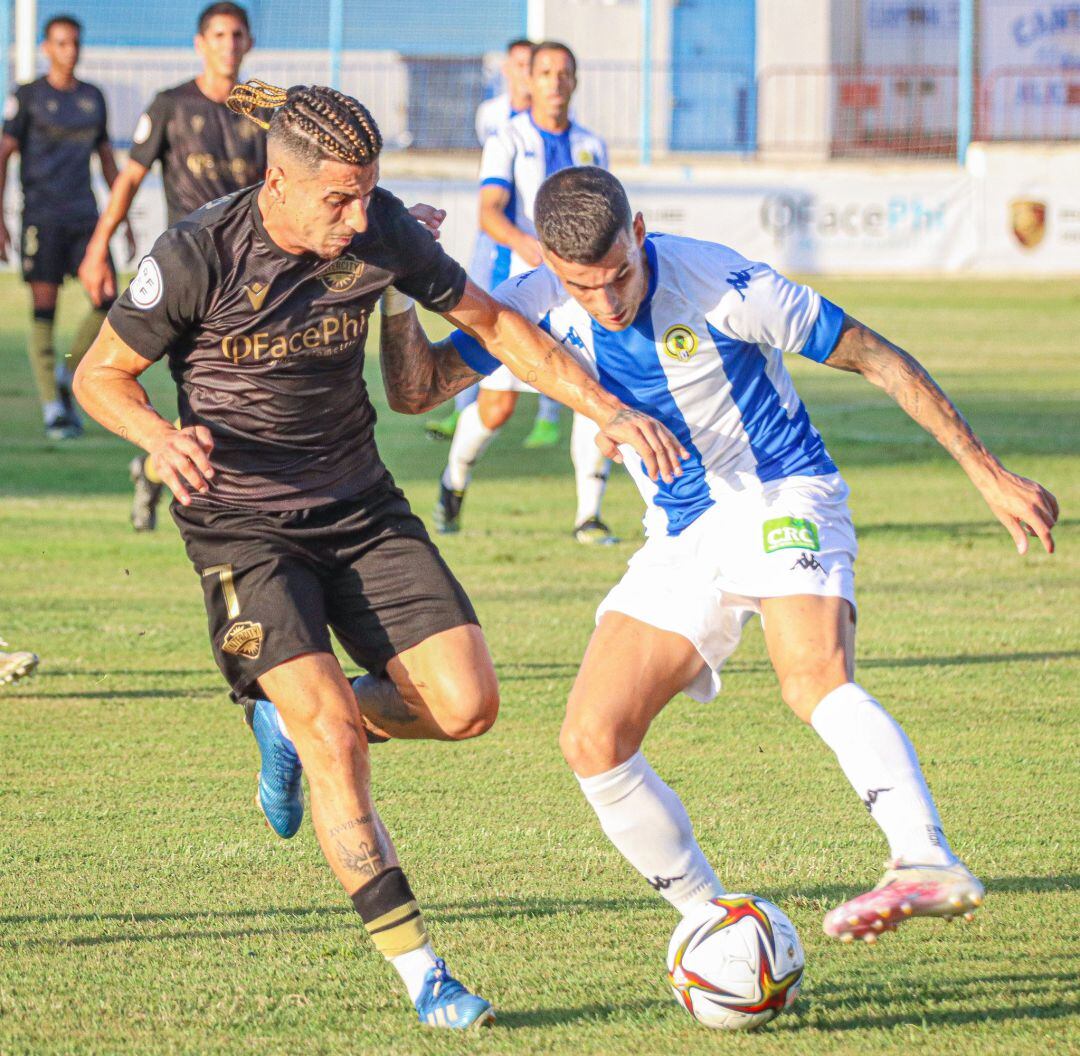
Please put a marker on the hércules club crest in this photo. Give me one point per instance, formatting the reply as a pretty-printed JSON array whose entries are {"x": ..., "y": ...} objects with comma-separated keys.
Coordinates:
[{"x": 243, "y": 639}]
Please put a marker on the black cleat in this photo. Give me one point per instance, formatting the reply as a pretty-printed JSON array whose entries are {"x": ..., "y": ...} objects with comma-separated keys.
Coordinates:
[{"x": 448, "y": 510}]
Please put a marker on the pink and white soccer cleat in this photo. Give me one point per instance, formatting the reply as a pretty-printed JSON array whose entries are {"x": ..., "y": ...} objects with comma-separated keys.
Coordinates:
[{"x": 906, "y": 892}]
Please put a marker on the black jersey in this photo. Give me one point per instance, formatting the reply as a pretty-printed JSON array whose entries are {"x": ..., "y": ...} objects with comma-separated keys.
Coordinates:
[
  {"x": 57, "y": 132},
  {"x": 206, "y": 151},
  {"x": 267, "y": 347}
]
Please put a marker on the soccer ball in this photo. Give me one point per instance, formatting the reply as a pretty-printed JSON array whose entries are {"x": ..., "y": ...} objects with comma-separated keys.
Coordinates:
[{"x": 735, "y": 962}]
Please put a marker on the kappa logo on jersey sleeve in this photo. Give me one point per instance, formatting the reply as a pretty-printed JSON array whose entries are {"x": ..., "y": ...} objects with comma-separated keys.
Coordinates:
[
  {"x": 147, "y": 286},
  {"x": 738, "y": 281},
  {"x": 790, "y": 533}
]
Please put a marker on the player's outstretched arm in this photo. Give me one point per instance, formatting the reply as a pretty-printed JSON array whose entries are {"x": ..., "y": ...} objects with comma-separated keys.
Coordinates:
[
  {"x": 418, "y": 374},
  {"x": 1023, "y": 506},
  {"x": 541, "y": 361},
  {"x": 94, "y": 271},
  {"x": 106, "y": 384}
]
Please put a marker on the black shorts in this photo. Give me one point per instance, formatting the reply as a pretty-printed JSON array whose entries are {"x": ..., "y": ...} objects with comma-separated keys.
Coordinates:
[
  {"x": 52, "y": 251},
  {"x": 276, "y": 583}
]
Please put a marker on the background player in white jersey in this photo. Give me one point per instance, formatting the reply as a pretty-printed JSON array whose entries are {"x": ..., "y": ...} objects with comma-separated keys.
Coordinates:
[
  {"x": 516, "y": 161},
  {"x": 492, "y": 115},
  {"x": 694, "y": 334}
]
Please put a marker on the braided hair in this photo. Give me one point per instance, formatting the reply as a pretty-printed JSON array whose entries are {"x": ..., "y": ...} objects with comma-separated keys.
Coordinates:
[{"x": 311, "y": 122}]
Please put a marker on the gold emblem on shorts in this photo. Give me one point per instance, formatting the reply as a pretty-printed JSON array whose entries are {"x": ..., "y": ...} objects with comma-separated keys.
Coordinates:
[
  {"x": 256, "y": 293},
  {"x": 243, "y": 639},
  {"x": 342, "y": 274},
  {"x": 680, "y": 342}
]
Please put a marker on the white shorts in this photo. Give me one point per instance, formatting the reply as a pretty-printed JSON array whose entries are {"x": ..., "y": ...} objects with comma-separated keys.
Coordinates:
[
  {"x": 791, "y": 536},
  {"x": 504, "y": 380}
]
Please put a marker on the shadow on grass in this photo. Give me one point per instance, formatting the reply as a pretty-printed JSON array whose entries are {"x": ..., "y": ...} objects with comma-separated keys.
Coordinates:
[
  {"x": 554, "y": 1017},
  {"x": 959, "y": 660},
  {"x": 499, "y": 909}
]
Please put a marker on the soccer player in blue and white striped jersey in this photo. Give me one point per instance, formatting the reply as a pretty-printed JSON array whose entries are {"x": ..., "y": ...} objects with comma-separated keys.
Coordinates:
[{"x": 758, "y": 523}]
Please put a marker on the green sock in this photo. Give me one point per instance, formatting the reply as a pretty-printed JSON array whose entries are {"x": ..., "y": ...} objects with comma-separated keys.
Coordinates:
[
  {"x": 42, "y": 357},
  {"x": 84, "y": 337}
]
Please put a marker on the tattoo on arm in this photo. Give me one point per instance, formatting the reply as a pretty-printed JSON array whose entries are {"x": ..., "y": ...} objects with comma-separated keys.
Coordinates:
[
  {"x": 862, "y": 351},
  {"x": 417, "y": 374}
]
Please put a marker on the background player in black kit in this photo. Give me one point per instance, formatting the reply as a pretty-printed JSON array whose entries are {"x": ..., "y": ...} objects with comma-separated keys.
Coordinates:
[
  {"x": 206, "y": 151},
  {"x": 261, "y": 304},
  {"x": 55, "y": 124}
]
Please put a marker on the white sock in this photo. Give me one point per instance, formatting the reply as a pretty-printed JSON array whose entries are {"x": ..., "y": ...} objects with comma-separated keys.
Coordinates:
[
  {"x": 413, "y": 966},
  {"x": 881, "y": 764},
  {"x": 590, "y": 468},
  {"x": 471, "y": 439},
  {"x": 466, "y": 396},
  {"x": 548, "y": 410},
  {"x": 650, "y": 827}
]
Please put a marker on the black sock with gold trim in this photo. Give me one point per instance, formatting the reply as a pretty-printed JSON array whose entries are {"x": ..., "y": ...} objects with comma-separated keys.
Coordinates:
[{"x": 391, "y": 914}]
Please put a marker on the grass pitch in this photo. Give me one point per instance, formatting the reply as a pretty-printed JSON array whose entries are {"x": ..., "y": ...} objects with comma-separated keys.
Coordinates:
[{"x": 145, "y": 908}]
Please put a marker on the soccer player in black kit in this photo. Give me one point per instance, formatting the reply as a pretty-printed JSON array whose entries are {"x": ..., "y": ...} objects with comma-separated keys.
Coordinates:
[
  {"x": 261, "y": 304},
  {"x": 56, "y": 124},
  {"x": 205, "y": 150}
]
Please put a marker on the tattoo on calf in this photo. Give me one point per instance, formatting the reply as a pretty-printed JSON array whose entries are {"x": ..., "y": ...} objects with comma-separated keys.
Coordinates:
[
  {"x": 352, "y": 823},
  {"x": 365, "y": 860}
]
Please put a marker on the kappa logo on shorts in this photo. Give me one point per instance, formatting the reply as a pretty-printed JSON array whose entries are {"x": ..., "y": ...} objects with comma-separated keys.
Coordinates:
[
  {"x": 790, "y": 533},
  {"x": 243, "y": 639}
]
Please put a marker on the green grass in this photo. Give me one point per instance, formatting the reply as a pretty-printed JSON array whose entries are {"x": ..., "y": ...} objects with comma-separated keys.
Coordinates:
[{"x": 145, "y": 908}]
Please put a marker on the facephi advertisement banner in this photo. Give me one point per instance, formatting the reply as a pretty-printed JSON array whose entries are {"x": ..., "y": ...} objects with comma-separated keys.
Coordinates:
[{"x": 857, "y": 221}]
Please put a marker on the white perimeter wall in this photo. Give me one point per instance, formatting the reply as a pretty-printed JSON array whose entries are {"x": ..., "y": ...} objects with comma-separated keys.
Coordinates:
[{"x": 1014, "y": 210}]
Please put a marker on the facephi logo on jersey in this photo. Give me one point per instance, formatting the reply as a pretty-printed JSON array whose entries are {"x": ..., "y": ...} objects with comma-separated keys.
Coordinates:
[
  {"x": 243, "y": 639},
  {"x": 256, "y": 293},
  {"x": 147, "y": 286},
  {"x": 680, "y": 342},
  {"x": 330, "y": 330},
  {"x": 1028, "y": 221},
  {"x": 342, "y": 274},
  {"x": 790, "y": 533}
]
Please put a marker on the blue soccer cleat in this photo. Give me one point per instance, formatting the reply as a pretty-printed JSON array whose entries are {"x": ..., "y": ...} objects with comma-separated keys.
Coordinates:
[
  {"x": 280, "y": 795},
  {"x": 444, "y": 1002}
]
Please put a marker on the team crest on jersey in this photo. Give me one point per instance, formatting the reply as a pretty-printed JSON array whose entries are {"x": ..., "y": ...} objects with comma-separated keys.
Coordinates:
[
  {"x": 243, "y": 639},
  {"x": 586, "y": 157},
  {"x": 87, "y": 106},
  {"x": 342, "y": 275},
  {"x": 680, "y": 342}
]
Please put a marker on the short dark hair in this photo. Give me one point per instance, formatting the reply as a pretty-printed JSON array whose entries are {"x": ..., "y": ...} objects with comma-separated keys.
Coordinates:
[
  {"x": 521, "y": 42},
  {"x": 555, "y": 45},
  {"x": 223, "y": 9},
  {"x": 579, "y": 212},
  {"x": 61, "y": 20}
]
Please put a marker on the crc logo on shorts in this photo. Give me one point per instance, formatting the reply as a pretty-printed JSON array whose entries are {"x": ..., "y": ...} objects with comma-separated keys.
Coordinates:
[
  {"x": 342, "y": 274},
  {"x": 790, "y": 533},
  {"x": 243, "y": 639},
  {"x": 680, "y": 342},
  {"x": 147, "y": 286}
]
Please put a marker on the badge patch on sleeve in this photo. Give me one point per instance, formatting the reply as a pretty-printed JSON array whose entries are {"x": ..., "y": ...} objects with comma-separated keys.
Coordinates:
[
  {"x": 790, "y": 533},
  {"x": 147, "y": 286}
]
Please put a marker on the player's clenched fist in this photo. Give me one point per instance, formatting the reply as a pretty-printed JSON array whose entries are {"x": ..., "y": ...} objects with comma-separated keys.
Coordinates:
[{"x": 182, "y": 460}]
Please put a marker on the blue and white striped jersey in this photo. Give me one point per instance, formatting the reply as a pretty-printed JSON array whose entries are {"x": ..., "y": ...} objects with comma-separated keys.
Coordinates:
[
  {"x": 520, "y": 157},
  {"x": 704, "y": 356}
]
